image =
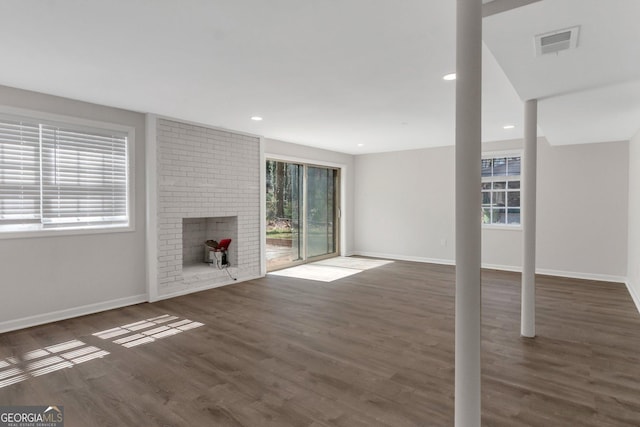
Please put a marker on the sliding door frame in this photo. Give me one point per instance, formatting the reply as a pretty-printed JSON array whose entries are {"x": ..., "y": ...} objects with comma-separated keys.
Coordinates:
[{"x": 340, "y": 236}]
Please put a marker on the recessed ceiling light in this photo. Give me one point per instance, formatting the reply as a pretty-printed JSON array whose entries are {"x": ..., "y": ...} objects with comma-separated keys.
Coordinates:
[
  {"x": 361, "y": 145},
  {"x": 508, "y": 127},
  {"x": 449, "y": 77},
  {"x": 256, "y": 118}
]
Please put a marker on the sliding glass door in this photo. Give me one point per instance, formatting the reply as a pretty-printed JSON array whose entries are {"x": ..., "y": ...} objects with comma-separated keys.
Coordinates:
[
  {"x": 321, "y": 211},
  {"x": 302, "y": 213},
  {"x": 284, "y": 214}
]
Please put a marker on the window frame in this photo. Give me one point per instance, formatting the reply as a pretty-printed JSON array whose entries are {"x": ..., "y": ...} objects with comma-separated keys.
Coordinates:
[
  {"x": 28, "y": 230},
  {"x": 499, "y": 154}
]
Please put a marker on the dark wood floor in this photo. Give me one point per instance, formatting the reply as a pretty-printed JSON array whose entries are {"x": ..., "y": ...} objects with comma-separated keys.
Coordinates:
[{"x": 372, "y": 349}]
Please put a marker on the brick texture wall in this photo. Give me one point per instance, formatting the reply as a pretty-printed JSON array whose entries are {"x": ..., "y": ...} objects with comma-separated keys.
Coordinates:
[{"x": 206, "y": 173}]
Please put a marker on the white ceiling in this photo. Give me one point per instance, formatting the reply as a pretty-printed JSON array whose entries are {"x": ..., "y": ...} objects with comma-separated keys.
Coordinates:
[
  {"x": 588, "y": 94},
  {"x": 331, "y": 73}
]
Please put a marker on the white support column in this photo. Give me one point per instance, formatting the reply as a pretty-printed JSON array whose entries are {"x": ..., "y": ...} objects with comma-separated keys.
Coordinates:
[
  {"x": 529, "y": 171},
  {"x": 468, "y": 202}
]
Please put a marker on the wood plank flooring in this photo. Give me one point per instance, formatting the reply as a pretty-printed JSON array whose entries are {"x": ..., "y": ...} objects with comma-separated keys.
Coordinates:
[{"x": 373, "y": 349}]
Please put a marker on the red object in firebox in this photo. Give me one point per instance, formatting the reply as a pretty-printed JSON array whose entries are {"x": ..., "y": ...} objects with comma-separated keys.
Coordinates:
[{"x": 224, "y": 244}]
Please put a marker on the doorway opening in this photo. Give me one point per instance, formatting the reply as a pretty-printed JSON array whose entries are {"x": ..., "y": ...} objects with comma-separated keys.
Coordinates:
[{"x": 302, "y": 215}]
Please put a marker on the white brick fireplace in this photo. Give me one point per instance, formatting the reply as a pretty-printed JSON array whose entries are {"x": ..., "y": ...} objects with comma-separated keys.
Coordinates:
[{"x": 206, "y": 187}]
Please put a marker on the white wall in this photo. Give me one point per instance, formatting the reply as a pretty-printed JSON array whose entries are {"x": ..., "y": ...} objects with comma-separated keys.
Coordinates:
[
  {"x": 405, "y": 204},
  {"x": 49, "y": 278},
  {"x": 583, "y": 213},
  {"x": 633, "y": 265},
  {"x": 405, "y": 209},
  {"x": 288, "y": 151}
]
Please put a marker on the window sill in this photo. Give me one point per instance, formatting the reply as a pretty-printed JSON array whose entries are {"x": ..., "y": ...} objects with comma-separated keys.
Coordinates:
[
  {"x": 502, "y": 227},
  {"x": 27, "y": 232}
]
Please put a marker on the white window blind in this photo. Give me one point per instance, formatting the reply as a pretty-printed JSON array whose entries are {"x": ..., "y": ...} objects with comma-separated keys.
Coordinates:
[
  {"x": 84, "y": 176},
  {"x": 55, "y": 175},
  {"x": 19, "y": 171}
]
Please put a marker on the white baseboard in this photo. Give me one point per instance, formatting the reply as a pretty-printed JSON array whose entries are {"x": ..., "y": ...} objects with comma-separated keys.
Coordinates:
[
  {"x": 404, "y": 258},
  {"x": 190, "y": 290},
  {"x": 55, "y": 316},
  {"x": 560, "y": 273},
  {"x": 585, "y": 276},
  {"x": 512, "y": 268},
  {"x": 634, "y": 296},
  {"x": 27, "y": 322},
  {"x": 548, "y": 272}
]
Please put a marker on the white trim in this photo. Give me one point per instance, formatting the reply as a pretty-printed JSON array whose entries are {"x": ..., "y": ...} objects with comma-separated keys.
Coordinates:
[
  {"x": 512, "y": 268},
  {"x": 399, "y": 257},
  {"x": 64, "y": 119},
  {"x": 193, "y": 289},
  {"x": 585, "y": 276},
  {"x": 131, "y": 176},
  {"x": 490, "y": 154},
  {"x": 634, "y": 296},
  {"x": 63, "y": 231},
  {"x": 344, "y": 178},
  {"x": 311, "y": 162},
  {"x": 559, "y": 273},
  {"x": 502, "y": 227},
  {"x": 263, "y": 209},
  {"x": 151, "y": 166},
  {"x": 56, "y": 316}
]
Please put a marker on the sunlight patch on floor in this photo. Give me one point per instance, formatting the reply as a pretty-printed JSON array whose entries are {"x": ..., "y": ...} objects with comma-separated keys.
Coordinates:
[
  {"x": 332, "y": 269},
  {"x": 45, "y": 360},
  {"x": 68, "y": 354},
  {"x": 146, "y": 331}
]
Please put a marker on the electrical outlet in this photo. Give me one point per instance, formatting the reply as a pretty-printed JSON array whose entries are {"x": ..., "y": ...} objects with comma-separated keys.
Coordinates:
[{"x": 443, "y": 242}]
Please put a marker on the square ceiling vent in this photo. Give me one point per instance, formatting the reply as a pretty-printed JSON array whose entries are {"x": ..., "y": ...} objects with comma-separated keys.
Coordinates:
[{"x": 556, "y": 41}]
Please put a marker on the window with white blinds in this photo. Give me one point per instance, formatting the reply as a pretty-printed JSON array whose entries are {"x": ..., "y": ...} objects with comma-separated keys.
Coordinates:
[
  {"x": 61, "y": 176},
  {"x": 19, "y": 171}
]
